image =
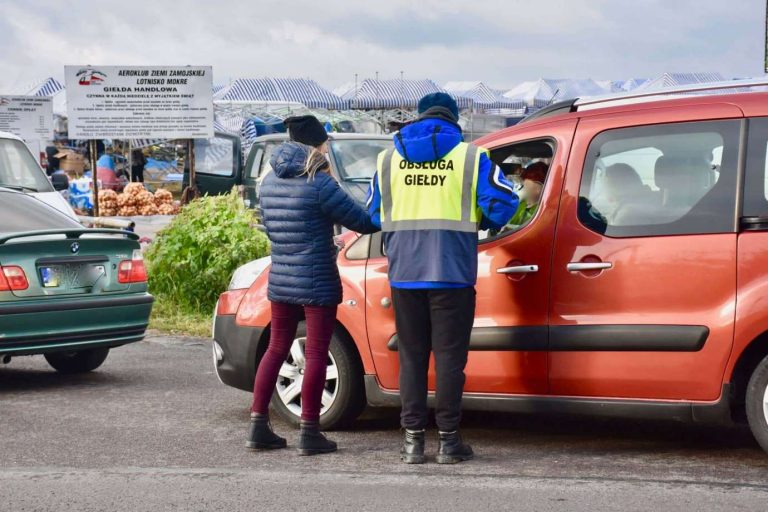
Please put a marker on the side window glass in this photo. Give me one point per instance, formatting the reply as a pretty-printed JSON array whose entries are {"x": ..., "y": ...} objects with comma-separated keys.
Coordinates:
[
  {"x": 526, "y": 167},
  {"x": 258, "y": 150},
  {"x": 661, "y": 180},
  {"x": 265, "y": 165},
  {"x": 756, "y": 179},
  {"x": 215, "y": 156}
]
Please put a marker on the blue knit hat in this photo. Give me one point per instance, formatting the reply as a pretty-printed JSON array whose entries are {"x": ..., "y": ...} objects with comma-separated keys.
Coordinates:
[{"x": 438, "y": 102}]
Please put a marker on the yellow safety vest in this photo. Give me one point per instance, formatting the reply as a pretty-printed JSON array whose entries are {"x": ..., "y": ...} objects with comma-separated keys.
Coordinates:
[{"x": 430, "y": 195}]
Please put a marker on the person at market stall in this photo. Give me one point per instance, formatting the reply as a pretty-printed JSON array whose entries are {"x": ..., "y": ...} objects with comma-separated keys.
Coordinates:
[
  {"x": 301, "y": 203},
  {"x": 138, "y": 161},
  {"x": 105, "y": 172}
]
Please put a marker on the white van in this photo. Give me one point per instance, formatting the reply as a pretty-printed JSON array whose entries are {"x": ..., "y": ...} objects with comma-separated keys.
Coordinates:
[{"x": 20, "y": 171}]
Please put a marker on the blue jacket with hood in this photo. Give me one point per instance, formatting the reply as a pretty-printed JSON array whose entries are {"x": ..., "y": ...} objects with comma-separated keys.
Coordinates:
[
  {"x": 424, "y": 259},
  {"x": 299, "y": 215}
]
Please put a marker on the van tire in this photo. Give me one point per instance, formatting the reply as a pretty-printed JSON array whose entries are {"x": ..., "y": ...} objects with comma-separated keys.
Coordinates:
[
  {"x": 756, "y": 405},
  {"x": 350, "y": 398},
  {"x": 81, "y": 361}
]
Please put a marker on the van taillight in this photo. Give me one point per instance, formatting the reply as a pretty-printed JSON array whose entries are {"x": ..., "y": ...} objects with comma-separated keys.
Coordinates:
[
  {"x": 13, "y": 279},
  {"x": 133, "y": 270}
]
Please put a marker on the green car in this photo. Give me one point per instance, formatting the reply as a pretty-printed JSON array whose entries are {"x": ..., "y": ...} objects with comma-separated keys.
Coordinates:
[{"x": 67, "y": 292}]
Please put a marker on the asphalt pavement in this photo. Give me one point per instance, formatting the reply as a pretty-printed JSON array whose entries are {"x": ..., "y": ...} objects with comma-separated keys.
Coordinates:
[{"x": 153, "y": 429}]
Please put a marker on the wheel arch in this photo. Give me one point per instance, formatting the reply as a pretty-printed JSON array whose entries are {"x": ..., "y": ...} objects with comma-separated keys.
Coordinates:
[
  {"x": 754, "y": 352},
  {"x": 340, "y": 329}
]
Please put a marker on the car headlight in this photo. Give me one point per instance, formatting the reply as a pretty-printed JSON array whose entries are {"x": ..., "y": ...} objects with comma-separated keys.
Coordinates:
[{"x": 245, "y": 275}]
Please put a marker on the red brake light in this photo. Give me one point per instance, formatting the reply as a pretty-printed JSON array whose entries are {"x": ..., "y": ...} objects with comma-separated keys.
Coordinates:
[
  {"x": 13, "y": 279},
  {"x": 133, "y": 270}
]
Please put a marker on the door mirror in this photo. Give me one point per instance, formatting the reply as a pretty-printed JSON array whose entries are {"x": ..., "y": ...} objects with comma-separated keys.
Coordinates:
[{"x": 60, "y": 181}]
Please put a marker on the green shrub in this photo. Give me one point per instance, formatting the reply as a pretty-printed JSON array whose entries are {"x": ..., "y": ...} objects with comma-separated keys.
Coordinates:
[{"x": 191, "y": 260}]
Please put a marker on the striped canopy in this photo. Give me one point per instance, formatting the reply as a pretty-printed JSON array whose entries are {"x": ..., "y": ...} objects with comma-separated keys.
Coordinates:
[
  {"x": 483, "y": 96},
  {"x": 281, "y": 90},
  {"x": 47, "y": 87},
  {"x": 676, "y": 79},
  {"x": 391, "y": 94},
  {"x": 544, "y": 91}
]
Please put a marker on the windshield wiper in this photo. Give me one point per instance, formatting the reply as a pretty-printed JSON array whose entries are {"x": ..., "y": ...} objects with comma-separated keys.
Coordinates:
[{"x": 20, "y": 188}]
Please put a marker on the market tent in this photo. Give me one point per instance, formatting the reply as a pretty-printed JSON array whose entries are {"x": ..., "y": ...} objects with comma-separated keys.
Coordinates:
[
  {"x": 44, "y": 87},
  {"x": 483, "y": 96},
  {"x": 280, "y": 90},
  {"x": 677, "y": 79},
  {"x": 544, "y": 91},
  {"x": 393, "y": 94},
  {"x": 619, "y": 86}
]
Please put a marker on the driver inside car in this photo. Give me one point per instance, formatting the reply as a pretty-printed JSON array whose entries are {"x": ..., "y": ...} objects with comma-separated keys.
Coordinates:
[{"x": 533, "y": 184}]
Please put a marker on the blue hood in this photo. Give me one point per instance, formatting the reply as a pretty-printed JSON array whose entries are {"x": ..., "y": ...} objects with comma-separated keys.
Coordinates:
[
  {"x": 289, "y": 159},
  {"x": 427, "y": 140}
]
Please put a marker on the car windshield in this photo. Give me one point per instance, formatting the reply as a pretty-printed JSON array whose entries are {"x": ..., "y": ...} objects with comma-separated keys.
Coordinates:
[
  {"x": 356, "y": 159},
  {"x": 18, "y": 169},
  {"x": 20, "y": 212}
]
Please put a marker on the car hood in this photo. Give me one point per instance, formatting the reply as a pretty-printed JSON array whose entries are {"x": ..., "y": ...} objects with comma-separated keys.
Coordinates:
[{"x": 55, "y": 200}]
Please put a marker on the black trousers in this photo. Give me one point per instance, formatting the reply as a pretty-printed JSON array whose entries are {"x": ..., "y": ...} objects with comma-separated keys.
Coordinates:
[{"x": 437, "y": 321}]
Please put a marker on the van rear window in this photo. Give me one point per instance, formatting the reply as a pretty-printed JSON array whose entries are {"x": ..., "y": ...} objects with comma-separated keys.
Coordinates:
[{"x": 20, "y": 212}]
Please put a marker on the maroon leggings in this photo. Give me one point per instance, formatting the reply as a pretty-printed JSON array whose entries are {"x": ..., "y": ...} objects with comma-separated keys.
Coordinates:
[{"x": 285, "y": 319}]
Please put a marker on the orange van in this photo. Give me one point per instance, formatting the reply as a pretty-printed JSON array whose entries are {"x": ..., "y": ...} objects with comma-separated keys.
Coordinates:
[{"x": 639, "y": 288}]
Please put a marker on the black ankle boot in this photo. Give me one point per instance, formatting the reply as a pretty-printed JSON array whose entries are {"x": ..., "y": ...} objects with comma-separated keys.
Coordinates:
[
  {"x": 261, "y": 437},
  {"x": 412, "y": 451},
  {"x": 312, "y": 441},
  {"x": 452, "y": 449}
]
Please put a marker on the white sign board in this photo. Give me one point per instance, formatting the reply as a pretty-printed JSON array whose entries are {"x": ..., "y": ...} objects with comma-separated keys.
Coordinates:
[
  {"x": 139, "y": 102},
  {"x": 28, "y": 117}
]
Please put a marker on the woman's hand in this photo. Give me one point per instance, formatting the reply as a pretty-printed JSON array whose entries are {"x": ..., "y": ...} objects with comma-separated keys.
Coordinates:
[{"x": 338, "y": 242}]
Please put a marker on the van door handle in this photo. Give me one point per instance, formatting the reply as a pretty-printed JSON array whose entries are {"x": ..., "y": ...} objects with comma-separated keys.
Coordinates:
[
  {"x": 578, "y": 266},
  {"x": 518, "y": 269}
]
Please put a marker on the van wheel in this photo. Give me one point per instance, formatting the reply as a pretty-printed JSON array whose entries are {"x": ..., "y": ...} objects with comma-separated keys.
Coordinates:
[
  {"x": 80, "y": 361},
  {"x": 757, "y": 403},
  {"x": 344, "y": 393}
]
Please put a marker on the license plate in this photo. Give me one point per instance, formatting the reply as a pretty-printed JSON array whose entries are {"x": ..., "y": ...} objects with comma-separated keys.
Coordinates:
[{"x": 71, "y": 276}]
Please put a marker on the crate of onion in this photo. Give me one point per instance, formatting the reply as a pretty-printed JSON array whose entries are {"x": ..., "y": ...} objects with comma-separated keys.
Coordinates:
[{"x": 136, "y": 200}]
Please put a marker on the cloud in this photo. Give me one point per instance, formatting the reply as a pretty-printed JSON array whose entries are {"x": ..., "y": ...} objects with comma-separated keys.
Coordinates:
[{"x": 501, "y": 42}]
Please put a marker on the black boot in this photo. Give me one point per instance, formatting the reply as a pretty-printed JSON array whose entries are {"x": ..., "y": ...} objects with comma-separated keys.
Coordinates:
[
  {"x": 261, "y": 437},
  {"x": 452, "y": 449},
  {"x": 312, "y": 441},
  {"x": 412, "y": 451}
]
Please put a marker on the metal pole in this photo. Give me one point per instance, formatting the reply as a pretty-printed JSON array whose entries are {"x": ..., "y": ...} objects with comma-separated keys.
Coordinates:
[
  {"x": 130, "y": 161},
  {"x": 92, "y": 146},
  {"x": 192, "y": 178}
]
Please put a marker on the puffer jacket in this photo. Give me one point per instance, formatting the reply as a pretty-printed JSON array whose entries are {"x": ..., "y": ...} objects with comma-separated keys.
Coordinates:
[{"x": 299, "y": 215}]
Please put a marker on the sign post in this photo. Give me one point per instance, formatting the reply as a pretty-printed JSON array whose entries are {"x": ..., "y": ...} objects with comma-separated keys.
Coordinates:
[
  {"x": 28, "y": 117},
  {"x": 138, "y": 102}
]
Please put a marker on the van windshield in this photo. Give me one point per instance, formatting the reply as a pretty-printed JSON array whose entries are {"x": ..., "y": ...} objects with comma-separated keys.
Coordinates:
[
  {"x": 356, "y": 158},
  {"x": 19, "y": 170}
]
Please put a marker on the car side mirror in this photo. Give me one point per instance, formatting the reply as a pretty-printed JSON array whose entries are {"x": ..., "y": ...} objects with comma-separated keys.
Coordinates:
[{"x": 60, "y": 181}]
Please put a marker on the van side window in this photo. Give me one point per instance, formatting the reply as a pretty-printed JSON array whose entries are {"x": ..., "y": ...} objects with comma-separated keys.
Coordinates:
[
  {"x": 756, "y": 178},
  {"x": 661, "y": 180},
  {"x": 214, "y": 156},
  {"x": 525, "y": 165}
]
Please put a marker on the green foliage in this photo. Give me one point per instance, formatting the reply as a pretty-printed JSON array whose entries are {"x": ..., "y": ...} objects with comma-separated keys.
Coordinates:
[{"x": 191, "y": 261}]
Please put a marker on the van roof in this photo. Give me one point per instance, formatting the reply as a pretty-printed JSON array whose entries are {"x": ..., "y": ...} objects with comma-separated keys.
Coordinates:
[
  {"x": 732, "y": 91},
  {"x": 8, "y": 135}
]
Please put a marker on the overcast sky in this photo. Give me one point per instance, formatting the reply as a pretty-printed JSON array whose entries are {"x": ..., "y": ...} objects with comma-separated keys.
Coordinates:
[{"x": 501, "y": 42}]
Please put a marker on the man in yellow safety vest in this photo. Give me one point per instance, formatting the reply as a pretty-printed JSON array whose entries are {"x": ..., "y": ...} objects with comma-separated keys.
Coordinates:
[{"x": 430, "y": 195}]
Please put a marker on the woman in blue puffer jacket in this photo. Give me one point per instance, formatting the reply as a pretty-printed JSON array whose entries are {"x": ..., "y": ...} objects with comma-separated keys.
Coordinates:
[{"x": 301, "y": 202}]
